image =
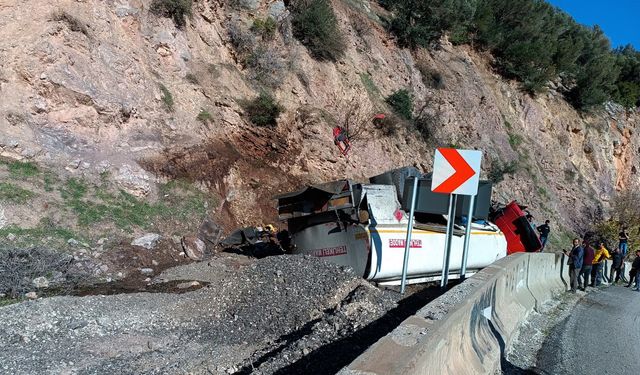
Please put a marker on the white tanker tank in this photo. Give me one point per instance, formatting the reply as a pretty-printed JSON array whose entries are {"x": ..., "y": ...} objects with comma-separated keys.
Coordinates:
[{"x": 364, "y": 226}]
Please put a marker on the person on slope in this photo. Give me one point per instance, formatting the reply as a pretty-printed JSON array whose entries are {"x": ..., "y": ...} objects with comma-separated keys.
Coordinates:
[
  {"x": 601, "y": 254},
  {"x": 544, "y": 231}
]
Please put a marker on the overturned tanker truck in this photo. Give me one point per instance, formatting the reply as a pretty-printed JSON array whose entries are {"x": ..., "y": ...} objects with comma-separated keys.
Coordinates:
[{"x": 364, "y": 226}]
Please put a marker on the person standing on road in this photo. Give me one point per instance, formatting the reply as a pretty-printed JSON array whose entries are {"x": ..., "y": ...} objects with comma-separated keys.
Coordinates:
[
  {"x": 601, "y": 254},
  {"x": 575, "y": 263},
  {"x": 585, "y": 271},
  {"x": 616, "y": 266},
  {"x": 633, "y": 274},
  {"x": 544, "y": 231}
]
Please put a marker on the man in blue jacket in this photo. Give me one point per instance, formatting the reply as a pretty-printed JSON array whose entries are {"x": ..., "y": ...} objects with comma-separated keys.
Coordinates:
[{"x": 576, "y": 258}]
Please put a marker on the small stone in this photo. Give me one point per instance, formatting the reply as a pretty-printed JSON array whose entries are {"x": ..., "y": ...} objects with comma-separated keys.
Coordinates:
[
  {"x": 73, "y": 242},
  {"x": 104, "y": 268},
  {"x": 43, "y": 75},
  {"x": 154, "y": 262},
  {"x": 2, "y": 295},
  {"x": 40, "y": 282},
  {"x": 148, "y": 241},
  {"x": 11, "y": 237},
  {"x": 146, "y": 271},
  {"x": 188, "y": 285},
  {"x": 31, "y": 295},
  {"x": 102, "y": 240}
]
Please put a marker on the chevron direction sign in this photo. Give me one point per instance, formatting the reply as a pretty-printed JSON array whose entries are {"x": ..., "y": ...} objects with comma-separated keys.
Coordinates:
[{"x": 456, "y": 171}]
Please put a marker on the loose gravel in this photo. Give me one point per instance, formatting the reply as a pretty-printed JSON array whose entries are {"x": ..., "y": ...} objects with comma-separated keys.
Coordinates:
[{"x": 285, "y": 314}]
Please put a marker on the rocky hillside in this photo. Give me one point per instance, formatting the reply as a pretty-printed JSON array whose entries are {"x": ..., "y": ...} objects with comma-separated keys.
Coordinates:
[{"x": 105, "y": 104}]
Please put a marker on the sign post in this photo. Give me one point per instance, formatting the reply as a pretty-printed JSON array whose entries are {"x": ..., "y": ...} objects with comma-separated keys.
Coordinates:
[
  {"x": 455, "y": 172},
  {"x": 467, "y": 237},
  {"x": 407, "y": 244}
]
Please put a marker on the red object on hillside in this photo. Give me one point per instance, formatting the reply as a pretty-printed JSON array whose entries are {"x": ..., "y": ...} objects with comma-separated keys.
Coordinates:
[
  {"x": 520, "y": 235},
  {"x": 341, "y": 139},
  {"x": 379, "y": 116}
]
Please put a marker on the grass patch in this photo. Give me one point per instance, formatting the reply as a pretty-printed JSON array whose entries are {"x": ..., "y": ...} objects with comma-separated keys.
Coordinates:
[
  {"x": 19, "y": 169},
  {"x": 46, "y": 233},
  {"x": 12, "y": 193},
  {"x": 370, "y": 86},
  {"x": 100, "y": 204},
  {"x": 73, "y": 189}
]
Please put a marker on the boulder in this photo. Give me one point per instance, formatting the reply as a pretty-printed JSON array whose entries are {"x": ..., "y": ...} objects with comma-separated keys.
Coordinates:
[
  {"x": 134, "y": 181},
  {"x": 210, "y": 233},
  {"x": 193, "y": 247},
  {"x": 149, "y": 241}
]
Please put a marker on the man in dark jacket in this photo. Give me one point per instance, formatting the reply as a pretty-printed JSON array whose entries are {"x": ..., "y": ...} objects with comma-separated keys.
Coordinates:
[
  {"x": 585, "y": 271},
  {"x": 575, "y": 261},
  {"x": 616, "y": 265},
  {"x": 544, "y": 233},
  {"x": 633, "y": 274}
]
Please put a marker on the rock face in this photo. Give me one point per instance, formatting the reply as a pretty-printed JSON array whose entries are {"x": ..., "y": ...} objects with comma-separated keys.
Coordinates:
[
  {"x": 148, "y": 241},
  {"x": 112, "y": 87}
]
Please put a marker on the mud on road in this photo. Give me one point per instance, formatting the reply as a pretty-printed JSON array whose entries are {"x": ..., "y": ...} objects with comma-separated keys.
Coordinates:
[{"x": 277, "y": 315}]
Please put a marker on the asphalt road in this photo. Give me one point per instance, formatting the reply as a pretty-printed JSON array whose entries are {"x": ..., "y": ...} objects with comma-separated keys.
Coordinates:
[{"x": 600, "y": 336}]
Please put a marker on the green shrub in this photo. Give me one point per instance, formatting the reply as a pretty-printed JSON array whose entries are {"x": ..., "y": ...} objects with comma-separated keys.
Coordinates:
[
  {"x": 204, "y": 117},
  {"x": 266, "y": 27},
  {"x": 177, "y": 10},
  {"x": 515, "y": 140},
  {"x": 72, "y": 22},
  {"x": 315, "y": 25},
  {"x": 430, "y": 77},
  {"x": 499, "y": 170},
  {"x": 424, "y": 125},
  {"x": 402, "y": 103},
  {"x": 167, "y": 98},
  {"x": 389, "y": 125},
  {"x": 263, "y": 110},
  {"x": 191, "y": 78}
]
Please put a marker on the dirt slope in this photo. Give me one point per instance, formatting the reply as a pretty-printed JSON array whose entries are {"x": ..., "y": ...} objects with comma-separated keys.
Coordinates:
[{"x": 108, "y": 87}]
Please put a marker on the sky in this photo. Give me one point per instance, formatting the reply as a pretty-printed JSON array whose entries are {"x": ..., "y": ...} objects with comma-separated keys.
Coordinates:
[{"x": 620, "y": 19}]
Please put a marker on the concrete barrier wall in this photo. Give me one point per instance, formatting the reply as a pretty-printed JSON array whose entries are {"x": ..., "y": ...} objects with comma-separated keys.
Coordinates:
[{"x": 466, "y": 330}]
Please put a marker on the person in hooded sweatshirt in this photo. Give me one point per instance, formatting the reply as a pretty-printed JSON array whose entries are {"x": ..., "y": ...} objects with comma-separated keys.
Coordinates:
[{"x": 585, "y": 271}]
